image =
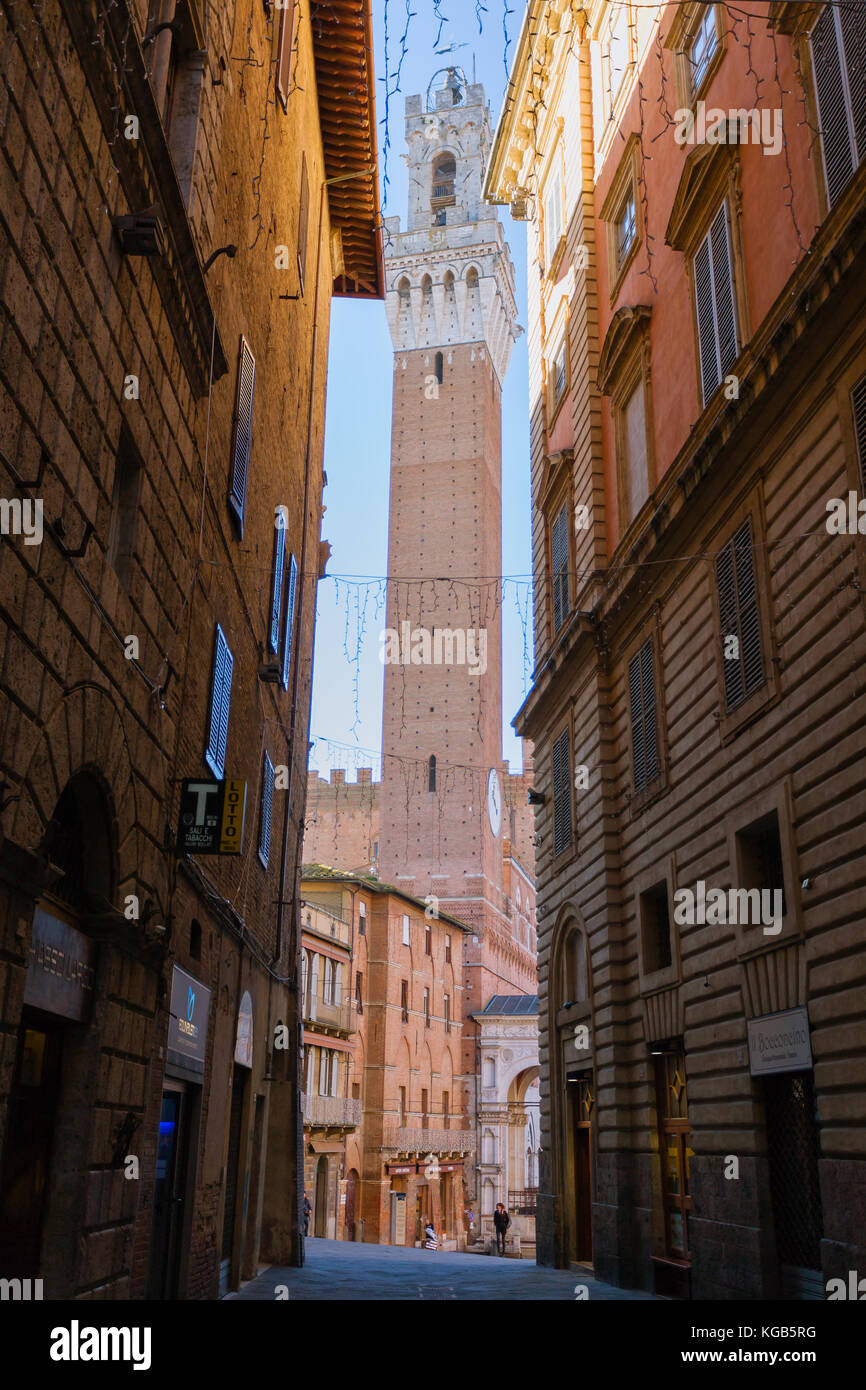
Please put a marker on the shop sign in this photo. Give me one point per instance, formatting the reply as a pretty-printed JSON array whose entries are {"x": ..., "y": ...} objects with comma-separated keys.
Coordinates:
[
  {"x": 187, "y": 1027},
  {"x": 244, "y": 1043},
  {"x": 211, "y": 816},
  {"x": 60, "y": 971},
  {"x": 399, "y": 1169},
  {"x": 780, "y": 1043}
]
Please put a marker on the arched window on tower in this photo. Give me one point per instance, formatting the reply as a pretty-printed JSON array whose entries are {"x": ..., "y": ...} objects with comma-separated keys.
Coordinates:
[
  {"x": 427, "y": 287},
  {"x": 472, "y": 279},
  {"x": 442, "y": 191},
  {"x": 440, "y": 372},
  {"x": 403, "y": 289}
]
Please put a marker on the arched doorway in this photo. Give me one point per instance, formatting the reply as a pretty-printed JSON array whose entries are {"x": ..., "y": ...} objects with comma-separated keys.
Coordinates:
[
  {"x": 54, "y": 1052},
  {"x": 351, "y": 1194},
  {"x": 320, "y": 1206}
]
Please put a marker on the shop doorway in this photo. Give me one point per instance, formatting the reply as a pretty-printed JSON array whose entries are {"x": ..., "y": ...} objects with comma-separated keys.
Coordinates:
[
  {"x": 168, "y": 1194},
  {"x": 320, "y": 1224},
  {"x": 236, "y": 1116},
  {"x": 793, "y": 1149},
  {"x": 581, "y": 1091},
  {"x": 24, "y": 1180}
]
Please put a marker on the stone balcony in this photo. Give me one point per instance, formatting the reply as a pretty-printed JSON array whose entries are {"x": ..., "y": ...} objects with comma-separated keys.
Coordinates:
[
  {"x": 405, "y": 1140},
  {"x": 330, "y": 1112}
]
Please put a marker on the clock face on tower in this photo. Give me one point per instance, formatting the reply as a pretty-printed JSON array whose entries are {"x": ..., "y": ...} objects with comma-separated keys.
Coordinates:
[{"x": 494, "y": 801}]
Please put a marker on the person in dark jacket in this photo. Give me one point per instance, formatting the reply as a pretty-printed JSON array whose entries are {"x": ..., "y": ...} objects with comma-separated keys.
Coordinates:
[
  {"x": 307, "y": 1213},
  {"x": 501, "y": 1220}
]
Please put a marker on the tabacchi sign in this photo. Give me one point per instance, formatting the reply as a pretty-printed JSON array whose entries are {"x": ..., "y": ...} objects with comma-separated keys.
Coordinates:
[{"x": 211, "y": 817}]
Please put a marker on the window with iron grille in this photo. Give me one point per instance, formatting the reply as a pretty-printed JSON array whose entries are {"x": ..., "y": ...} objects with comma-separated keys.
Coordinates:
[
  {"x": 446, "y": 1009},
  {"x": 265, "y": 811},
  {"x": 277, "y": 584},
  {"x": 290, "y": 620},
  {"x": 426, "y": 1008},
  {"x": 562, "y": 829},
  {"x": 838, "y": 44},
  {"x": 359, "y": 991},
  {"x": 714, "y": 296},
  {"x": 559, "y": 562},
  {"x": 644, "y": 727},
  {"x": 739, "y": 613},
  {"x": 220, "y": 699},
  {"x": 242, "y": 434},
  {"x": 285, "y": 41},
  {"x": 858, "y": 405}
]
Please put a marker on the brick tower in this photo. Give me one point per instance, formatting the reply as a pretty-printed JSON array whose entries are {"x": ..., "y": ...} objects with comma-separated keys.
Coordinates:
[{"x": 451, "y": 311}]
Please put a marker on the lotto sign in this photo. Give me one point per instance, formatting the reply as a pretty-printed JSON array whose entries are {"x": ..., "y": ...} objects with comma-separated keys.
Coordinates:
[{"x": 211, "y": 818}]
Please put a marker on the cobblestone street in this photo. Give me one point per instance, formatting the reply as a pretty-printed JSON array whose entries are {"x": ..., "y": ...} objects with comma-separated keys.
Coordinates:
[{"x": 337, "y": 1269}]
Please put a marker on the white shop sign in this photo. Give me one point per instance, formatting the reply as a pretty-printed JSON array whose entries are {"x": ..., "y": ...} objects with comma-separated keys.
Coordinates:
[{"x": 779, "y": 1043}]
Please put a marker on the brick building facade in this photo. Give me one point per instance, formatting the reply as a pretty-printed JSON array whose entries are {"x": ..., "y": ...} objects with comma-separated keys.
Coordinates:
[
  {"x": 697, "y": 361},
  {"x": 379, "y": 1177},
  {"x": 165, "y": 292}
]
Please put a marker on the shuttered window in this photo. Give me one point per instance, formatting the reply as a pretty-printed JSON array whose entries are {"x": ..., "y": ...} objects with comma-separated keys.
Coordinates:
[
  {"x": 266, "y": 808},
  {"x": 714, "y": 295},
  {"x": 839, "y": 60},
  {"x": 220, "y": 698},
  {"x": 303, "y": 222},
  {"x": 740, "y": 617},
  {"x": 285, "y": 40},
  {"x": 290, "y": 620},
  {"x": 644, "y": 725},
  {"x": 559, "y": 566},
  {"x": 242, "y": 435},
  {"x": 552, "y": 219},
  {"x": 277, "y": 589},
  {"x": 858, "y": 404},
  {"x": 562, "y": 835},
  {"x": 635, "y": 475}
]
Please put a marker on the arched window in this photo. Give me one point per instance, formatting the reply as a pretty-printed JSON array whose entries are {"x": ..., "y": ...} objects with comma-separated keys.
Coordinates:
[
  {"x": 403, "y": 290},
  {"x": 448, "y": 281},
  {"x": 431, "y": 763},
  {"x": 472, "y": 278},
  {"x": 442, "y": 196},
  {"x": 427, "y": 287}
]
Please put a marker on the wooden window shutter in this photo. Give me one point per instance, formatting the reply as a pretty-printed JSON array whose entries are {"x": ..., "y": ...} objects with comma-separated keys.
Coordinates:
[
  {"x": 559, "y": 564},
  {"x": 740, "y": 616},
  {"x": 242, "y": 435},
  {"x": 303, "y": 222},
  {"x": 220, "y": 699},
  {"x": 266, "y": 808},
  {"x": 837, "y": 48},
  {"x": 561, "y": 793},
  {"x": 858, "y": 402},
  {"x": 290, "y": 620},
  {"x": 714, "y": 295},
  {"x": 644, "y": 728},
  {"x": 723, "y": 290},
  {"x": 285, "y": 42},
  {"x": 277, "y": 590}
]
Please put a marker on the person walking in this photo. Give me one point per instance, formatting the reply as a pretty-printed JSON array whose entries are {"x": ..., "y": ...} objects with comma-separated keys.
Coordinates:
[
  {"x": 431, "y": 1241},
  {"x": 501, "y": 1220},
  {"x": 307, "y": 1213}
]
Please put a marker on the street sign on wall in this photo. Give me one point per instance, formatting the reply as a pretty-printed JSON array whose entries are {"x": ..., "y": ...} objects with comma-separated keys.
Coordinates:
[{"x": 211, "y": 816}]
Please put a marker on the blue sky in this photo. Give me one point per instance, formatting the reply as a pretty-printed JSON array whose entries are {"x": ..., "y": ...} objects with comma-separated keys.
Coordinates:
[{"x": 347, "y": 685}]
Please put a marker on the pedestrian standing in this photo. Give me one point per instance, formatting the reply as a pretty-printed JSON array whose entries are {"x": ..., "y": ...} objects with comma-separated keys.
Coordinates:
[
  {"x": 307, "y": 1212},
  {"x": 431, "y": 1241},
  {"x": 501, "y": 1220}
]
